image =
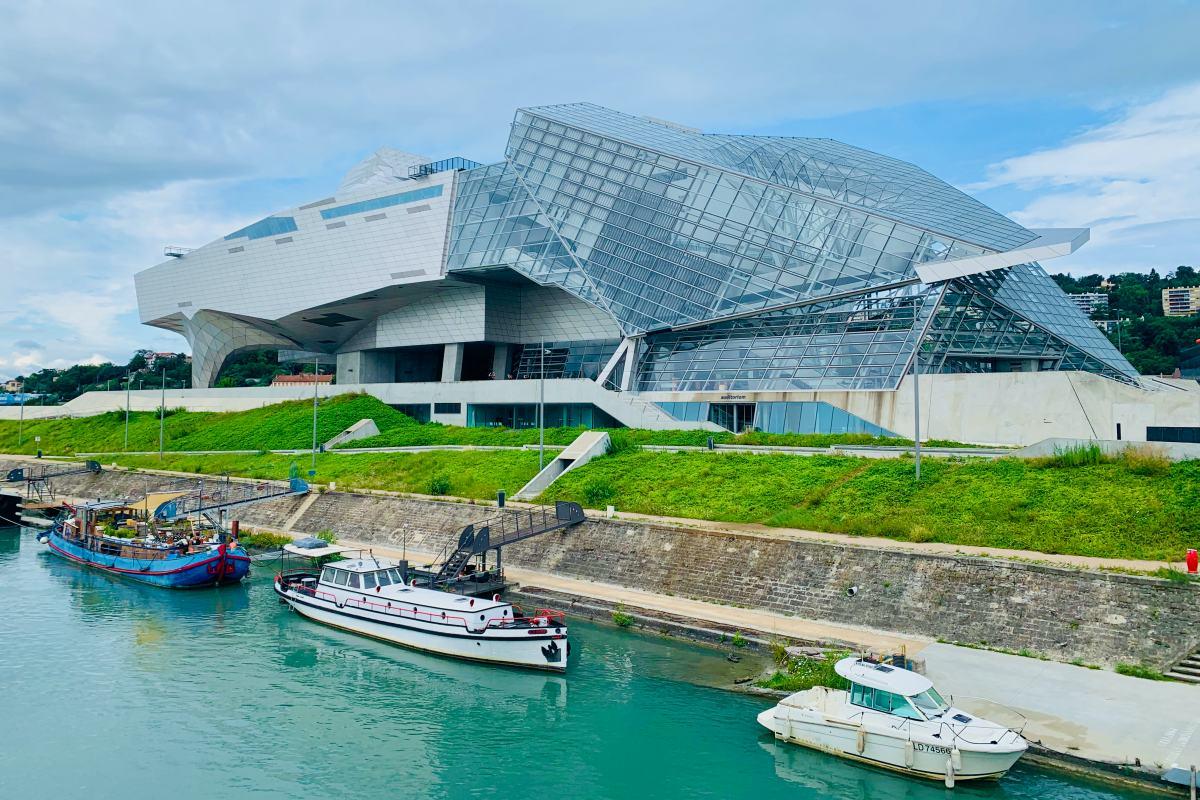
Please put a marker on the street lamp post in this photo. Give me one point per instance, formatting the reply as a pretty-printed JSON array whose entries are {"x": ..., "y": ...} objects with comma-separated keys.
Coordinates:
[
  {"x": 316, "y": 372},
  {"x": 162, "y": 413},
  {"x": 542, "y": 408},
  {"x": 128, "y": 381},
  {"x": 917, "y": 409},
  {"x": 21, "y": 424}
]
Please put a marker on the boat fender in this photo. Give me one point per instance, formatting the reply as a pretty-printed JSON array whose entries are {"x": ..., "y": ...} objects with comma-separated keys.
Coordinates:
[
  {"x": 861, "y": 743},
  {"x": 909, "y": 754},
  {"x": 950, "y": 773},
  {"x": 956, "y": 758}
]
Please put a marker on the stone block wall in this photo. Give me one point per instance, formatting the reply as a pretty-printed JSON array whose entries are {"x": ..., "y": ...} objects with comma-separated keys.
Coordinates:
[{"x": 1064, "y": 614}]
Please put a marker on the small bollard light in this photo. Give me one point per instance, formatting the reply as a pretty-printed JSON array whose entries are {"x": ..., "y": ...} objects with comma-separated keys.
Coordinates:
[
  {"x": 610, "y": 512},
  {"x": 500, "y": 499},
  {"x": 1193, "y": 561},
  {"x": 711, "y": 444}
]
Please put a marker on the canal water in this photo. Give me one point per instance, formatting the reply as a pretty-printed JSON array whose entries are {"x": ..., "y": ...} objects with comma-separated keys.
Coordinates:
[{"x": 109, "y": 689}]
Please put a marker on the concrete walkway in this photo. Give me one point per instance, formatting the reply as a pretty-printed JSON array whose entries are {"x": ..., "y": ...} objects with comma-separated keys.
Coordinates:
[{"x": 1092, "y": 714}]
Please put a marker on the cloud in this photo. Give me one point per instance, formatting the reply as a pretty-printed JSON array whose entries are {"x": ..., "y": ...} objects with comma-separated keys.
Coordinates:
[
  {"x": 129, "y": 126},
  {"x": 1134, "y": 180}
]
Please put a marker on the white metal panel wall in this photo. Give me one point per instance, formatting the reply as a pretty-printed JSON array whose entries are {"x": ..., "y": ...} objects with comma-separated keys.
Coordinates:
[{"x": 321, "y": 262}]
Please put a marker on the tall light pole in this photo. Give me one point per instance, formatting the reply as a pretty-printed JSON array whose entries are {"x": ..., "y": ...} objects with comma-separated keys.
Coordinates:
[
  {"x": 542, "y": 408},
  {"x": 128, "y": 381},
  {"x": 917, "y": 408},
  {"x": 21, "y": 424},
  {"x": 316, "y": 372},
  {"x": 162, "y": 413}
]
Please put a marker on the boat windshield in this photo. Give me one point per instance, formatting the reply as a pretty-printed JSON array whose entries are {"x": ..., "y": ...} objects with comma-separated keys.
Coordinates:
[{"x": 930, "y": 703}]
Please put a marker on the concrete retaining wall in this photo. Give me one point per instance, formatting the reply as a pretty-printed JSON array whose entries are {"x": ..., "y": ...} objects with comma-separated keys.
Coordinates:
[{"x": 1063, "y": 614}]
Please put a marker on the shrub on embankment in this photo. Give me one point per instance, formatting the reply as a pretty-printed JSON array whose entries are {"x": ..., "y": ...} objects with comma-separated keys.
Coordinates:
[
  {"x": 474, "y": 474},
  {"x": 276, "y": 427},
  {"x": 1116, "y": 508}
]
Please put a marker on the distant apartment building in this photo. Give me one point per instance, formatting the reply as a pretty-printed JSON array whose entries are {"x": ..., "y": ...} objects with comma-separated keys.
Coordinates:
[
  {"x": 1183, "y": 301},
  {"x": 12, "y": 386},
  {"x": 1089, "y": 302}
]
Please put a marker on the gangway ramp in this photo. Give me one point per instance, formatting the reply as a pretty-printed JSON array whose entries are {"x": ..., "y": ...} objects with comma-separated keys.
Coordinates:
[
  {"x": 208, "y": 497},
  {"x": 510, "y": 526}
]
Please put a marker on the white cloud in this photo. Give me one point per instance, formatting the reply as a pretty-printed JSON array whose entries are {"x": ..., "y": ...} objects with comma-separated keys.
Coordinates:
[
  {"x": 1135, "y": 181},
  {"x": 128, "y": 126}
]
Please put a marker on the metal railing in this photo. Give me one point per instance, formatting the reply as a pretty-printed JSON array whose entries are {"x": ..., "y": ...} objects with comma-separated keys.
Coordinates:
[{"x": 445, "y": 165}]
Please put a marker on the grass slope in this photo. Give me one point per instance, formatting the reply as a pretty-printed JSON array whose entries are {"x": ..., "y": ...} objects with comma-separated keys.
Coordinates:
[
  {"x": 462, "y": 474},
  {"x": 275, "y": 427},
  {"x": 426, "y": 434},
  {"x": 1107, "y": 509}
]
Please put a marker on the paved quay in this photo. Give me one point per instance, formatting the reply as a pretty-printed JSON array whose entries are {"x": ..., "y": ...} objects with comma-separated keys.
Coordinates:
[
  {"x": 1095, "y": 715},
  {"x": 1092, "y": 714}
]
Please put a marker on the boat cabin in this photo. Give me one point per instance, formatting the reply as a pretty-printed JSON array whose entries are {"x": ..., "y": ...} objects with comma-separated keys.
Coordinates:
[{"x": 891, "y": 690}]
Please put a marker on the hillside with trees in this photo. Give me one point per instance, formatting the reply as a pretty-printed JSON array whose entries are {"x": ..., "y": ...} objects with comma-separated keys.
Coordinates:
[
  {"x": 1150, "y": 340},
  {"x": 145, "y": 368}
]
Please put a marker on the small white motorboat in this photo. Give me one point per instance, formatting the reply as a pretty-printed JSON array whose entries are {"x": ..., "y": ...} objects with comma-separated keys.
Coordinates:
[
  {"x": 375, "y": 597},
  {"x": 895, "y": 719}
]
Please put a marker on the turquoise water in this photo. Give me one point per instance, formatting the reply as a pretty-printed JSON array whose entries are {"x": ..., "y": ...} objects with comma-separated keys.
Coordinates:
[{"x": 109, "y": 689}]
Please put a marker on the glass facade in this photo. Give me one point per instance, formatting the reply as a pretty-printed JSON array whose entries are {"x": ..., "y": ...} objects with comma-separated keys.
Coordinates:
[
  {"x": 270, "y": 226},
  {"x": 525, "y": 415},
  {"x": 760, "y": 263},
  {"x": 564, "y": 359}
]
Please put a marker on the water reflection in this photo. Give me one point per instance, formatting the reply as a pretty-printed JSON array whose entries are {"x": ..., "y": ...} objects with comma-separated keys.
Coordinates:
[{"x": 10, "y": 543}]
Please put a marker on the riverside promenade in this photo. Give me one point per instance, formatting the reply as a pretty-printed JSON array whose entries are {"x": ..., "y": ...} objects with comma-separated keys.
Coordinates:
[{"x": 1080, "y": 713}]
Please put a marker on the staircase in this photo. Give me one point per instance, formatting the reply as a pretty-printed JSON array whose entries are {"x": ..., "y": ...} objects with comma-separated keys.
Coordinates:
[
  {"x": 1187, "y": 670},
  {"x": 507, "y": 527}
]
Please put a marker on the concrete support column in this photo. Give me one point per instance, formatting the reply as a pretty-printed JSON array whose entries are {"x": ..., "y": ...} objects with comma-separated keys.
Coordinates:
[
  {"x": 500, "y": 361},
  {"x": 365, "y": 366},
  {"x": 452, "y": 358},
  {"x": 629, "y": 366}
]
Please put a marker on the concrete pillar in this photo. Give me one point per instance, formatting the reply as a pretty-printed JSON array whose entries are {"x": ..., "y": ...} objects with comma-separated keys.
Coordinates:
[
  {"x": 500, "y": 361},
  {"x": 629, "y": 366},
  {"x": 452, "y": 358},
  {"x": 366, "y": 366}
]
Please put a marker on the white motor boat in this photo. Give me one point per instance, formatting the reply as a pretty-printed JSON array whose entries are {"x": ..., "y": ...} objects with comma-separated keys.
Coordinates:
[
  {"x": 371, "y": 596},
  {"x": 894, "y": 718}
]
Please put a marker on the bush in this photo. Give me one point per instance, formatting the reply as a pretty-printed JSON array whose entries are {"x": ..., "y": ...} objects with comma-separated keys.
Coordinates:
[
  {"x": 805, "y": 673},
  {"x": 620, "y": 618},
  {"x": 262, "y": 540},
  {"x": 439, "y": 485},
  {"x": 1139, "y": 671},
  {"x": 1087, "y": 455},
  {"x": 1146, "y": 461},
  {"x": 327, "y": 536},
  {"x": 597, "y": 492}
]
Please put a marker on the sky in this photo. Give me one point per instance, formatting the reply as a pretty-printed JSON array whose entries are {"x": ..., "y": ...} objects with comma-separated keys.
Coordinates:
[{"x": 125, "y": 127}]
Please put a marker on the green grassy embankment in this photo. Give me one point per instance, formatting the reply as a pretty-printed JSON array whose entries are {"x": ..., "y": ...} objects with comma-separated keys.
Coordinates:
[
  {"x": 415, "y": 434},
  {"x": 1115, "y": 508},
  {"x": 276, "y": 427},
  {"x": 474, "y": 474}
]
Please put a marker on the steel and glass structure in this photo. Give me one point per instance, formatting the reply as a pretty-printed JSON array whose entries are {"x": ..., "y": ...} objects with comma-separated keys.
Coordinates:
[{"x": 652, "y": 258}]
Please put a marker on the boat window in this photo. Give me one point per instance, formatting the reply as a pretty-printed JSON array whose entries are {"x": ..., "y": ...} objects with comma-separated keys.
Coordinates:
[
  {"x": 384, "y": 578},
  {"x": 396, "y": 576},
  {"x": 339, "y": 577},
  {"x": 880, "y": 700},
  {"x": 354, "y": 581},
  {"x": 327, "y": 575},
  {"x": 369, "y": 580},
  {"x": 930, "y": 702}
]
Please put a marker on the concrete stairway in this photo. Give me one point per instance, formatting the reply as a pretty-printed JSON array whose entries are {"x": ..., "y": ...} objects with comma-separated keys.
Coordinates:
[{"x": 1187, "y": 670}]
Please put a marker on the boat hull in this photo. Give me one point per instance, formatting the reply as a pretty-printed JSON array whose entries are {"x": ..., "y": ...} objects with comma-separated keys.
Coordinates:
[
  {"x": 546, "y": 650},
  {"x": 194, "y": 571},
  {"x": 882, "y": 749}
]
